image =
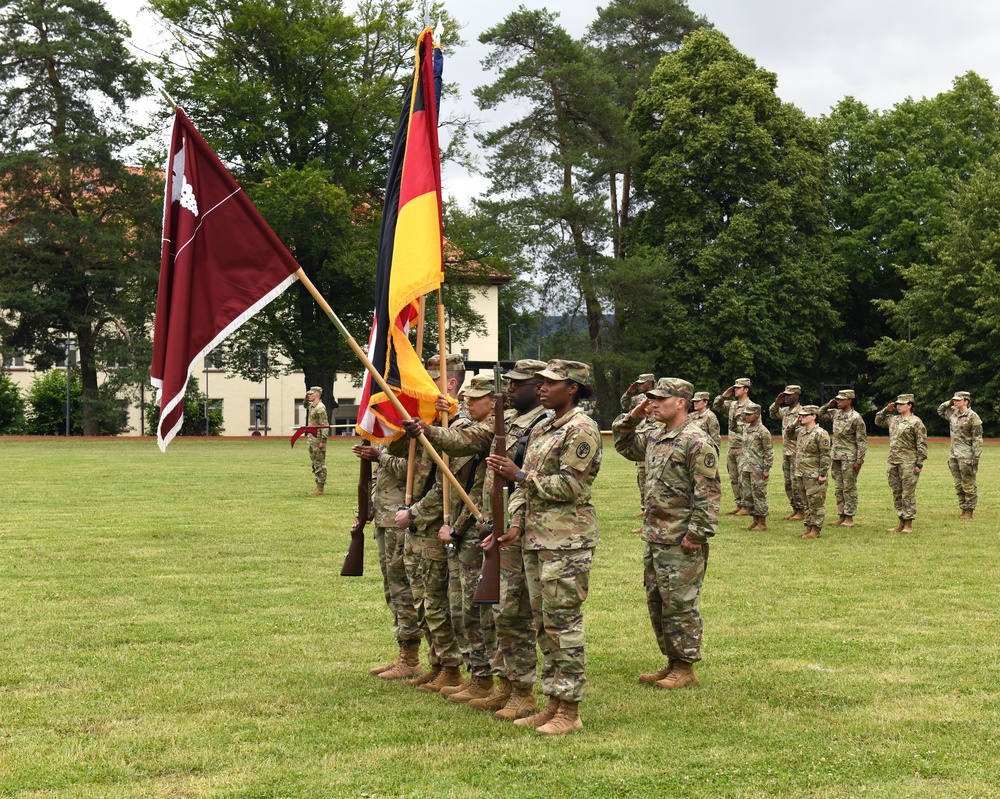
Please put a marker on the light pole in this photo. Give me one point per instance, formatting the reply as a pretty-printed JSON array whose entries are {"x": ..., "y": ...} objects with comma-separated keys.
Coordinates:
[{"x": 510, "y": 340}]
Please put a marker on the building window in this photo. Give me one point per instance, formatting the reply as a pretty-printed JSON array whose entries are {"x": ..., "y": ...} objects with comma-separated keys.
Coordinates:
[
  {"x": 61, "y": 363},
  {"x": 13, "y": 361},
  {"x": 258, "y": 414},
  {"x": 301, "y": 414},
  {"x": 214, "y": 361}
]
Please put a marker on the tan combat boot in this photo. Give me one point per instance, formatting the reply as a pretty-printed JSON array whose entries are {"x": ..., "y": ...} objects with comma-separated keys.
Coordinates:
[
  {"x": 431, "y": 674},
  {"x": 741, "y": 511},
  {"x": 840, "y": 517},
  {"x": 848, "y": 521},
  {"x": 520, "y": 705},
  {"x": 408, "y": 665},
  {"x": 761, "y": 525},
  {"x": 449, "y": 675},
  {"x": 798, "y": 516},
  {"x": 448, "y": 690},
  {"x": 897, "y": 529},
  {"x": 681, "y": 676},
  {"x": 811, "y": 532},
  {"x": 649, "y": 679},
  {"x": 544, "y": 716},
  {"x": 567, "y": 720},
  {"x": 399, "y": 659},
  {"x": 497, "y": 699},
  {"x": 907, "y": 526},
  {"x": 316, "y": 491},
  {"x": 734, "y": 512},
  {"x": 965, "y": 514},
  {"x": 481, "y": 688}
]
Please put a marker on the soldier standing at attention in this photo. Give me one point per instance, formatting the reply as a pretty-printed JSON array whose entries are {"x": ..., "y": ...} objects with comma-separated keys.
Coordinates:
[
  {"x": 786, "y": 408},
  {"x": 633, "y": 395},
  {"x": 812, "y": 463},
  {"x": 703, "y": 416},
  {"x": 552, "y": 511},
  {"x": 850, "y": 445},
  {"x": 966, "y": 447},
  {"x": 907, "y": 453},
  {"x": 733, "y": 408},
  {"x": 682, "y": 513},
  {"x": 755, "y": 468},
  {"x": 317, "y": 417}
]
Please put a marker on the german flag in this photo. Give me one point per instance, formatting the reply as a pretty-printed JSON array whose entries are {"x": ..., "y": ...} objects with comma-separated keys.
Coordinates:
[{"x": 410, "y": 254}]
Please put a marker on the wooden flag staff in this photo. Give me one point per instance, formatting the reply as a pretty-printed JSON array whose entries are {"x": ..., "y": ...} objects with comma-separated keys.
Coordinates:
[{"x": 380, "y": 381}]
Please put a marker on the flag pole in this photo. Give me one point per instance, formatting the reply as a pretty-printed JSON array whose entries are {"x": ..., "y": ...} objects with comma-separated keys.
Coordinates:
[
  {"x": 443, "y": 377},
  {"x": 380, "y": 381},
  {"x": 411, "y": 462}
]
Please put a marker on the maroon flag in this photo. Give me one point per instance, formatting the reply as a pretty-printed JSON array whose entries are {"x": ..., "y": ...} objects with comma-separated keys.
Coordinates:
[{"x": 220, "y": 264}]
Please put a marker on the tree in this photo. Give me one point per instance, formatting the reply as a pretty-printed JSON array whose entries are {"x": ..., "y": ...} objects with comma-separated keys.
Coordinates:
[
  {"x": 732, "y": 240},
  {"x": 947, "y": 320},
  {"x": 46, "y": 414},
  {"x": 196, "y": 405},
  {"x": 11, "y": 406},
  {"x": 74, "y": 250},
  {"x": 302, "y": 99}
]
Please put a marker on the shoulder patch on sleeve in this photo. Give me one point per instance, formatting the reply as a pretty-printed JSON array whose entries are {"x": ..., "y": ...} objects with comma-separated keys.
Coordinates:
[
  {"x": 707, "y": 463},
  {"x": 581, "y": 450}
]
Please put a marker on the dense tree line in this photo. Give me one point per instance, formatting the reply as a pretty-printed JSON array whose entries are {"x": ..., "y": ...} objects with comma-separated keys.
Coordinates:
[{"x": 658, "y": 205}]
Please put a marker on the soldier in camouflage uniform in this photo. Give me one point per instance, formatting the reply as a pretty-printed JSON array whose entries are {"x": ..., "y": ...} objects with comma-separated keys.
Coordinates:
[
  {"x": 733, "y": 409},
  {"x": 755, "y": 464},
  {"x": 786, "y": 408},
  {"x": 907, "y": 453},
  {"x": 389, "y": 488},
  {"x": 633, "y": 396},
  {"x": 515, "y": 660},
  {"x": 682, "y": 513},
  {"x": 812, "y": 463},
  {"x": 850, "y": 445},
  {"x": 317, "y": 417},
  {"x": 427, "y": 558},
  {"x": 966, "y": 447},
  {"x": 552, "y": 511},
  {"x": 703, "y": 416}
]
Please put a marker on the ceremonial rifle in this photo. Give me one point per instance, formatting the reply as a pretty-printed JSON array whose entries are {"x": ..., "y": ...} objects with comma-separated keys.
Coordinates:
[{"x": 488, "y": 590}]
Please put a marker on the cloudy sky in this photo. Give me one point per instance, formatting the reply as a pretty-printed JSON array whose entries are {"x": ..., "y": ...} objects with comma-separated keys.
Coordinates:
[{"x": 879, "y": 51}]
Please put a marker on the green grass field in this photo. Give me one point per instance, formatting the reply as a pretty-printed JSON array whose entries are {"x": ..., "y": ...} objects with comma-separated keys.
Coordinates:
[{"x": 176, "y": 626}]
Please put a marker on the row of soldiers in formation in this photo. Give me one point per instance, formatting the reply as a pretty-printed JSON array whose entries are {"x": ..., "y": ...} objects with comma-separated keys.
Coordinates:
[
  {"x": 809, "y": 453},
  {"x": 431, "y": 567}
]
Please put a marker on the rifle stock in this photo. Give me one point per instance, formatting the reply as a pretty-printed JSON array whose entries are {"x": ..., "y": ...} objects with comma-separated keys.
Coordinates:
[
  {"x": 488, "y": 590},
  {"x": 354, "y": 563}
]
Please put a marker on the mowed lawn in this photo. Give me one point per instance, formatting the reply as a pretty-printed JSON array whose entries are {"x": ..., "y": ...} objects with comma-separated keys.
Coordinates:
[{"x": 175, "y": 626}]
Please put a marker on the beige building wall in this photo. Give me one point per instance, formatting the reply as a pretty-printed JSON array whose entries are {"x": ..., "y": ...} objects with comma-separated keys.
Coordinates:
[{"x": 285, "y": 393}]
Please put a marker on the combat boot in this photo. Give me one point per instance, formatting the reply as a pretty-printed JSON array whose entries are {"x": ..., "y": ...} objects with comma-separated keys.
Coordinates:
[
  {"x": 798, "y": 516},
  {"x": 449, "y": 675},
  {"x": 897, "y": 529},
  {"x": 811, "y": 532},
  {"x": 481, "y": 688},
  {"x": 649, "y": 679},
  {"x": 741, "y": 511},
  {"x": 847, "y": 522},
  {"x": 840, "y": 517},
  {"x": 454, "y": 689},
  {"x": 431, "y": 674},
  {"x": 544, "y": 716},
  {"x": 907, "y": 526},
  {"x": 965, "y": 514},
  {"x": 497, "y": 699},
  {"x": 734, "y": 512},
  {"x": 316, "y": 491},
  {"x": 566, "y": 720},
  {"x": 520, "y": 705},
  {"x": 680, "y": 676},
  {"x": 761, "y": 525},
  {"x": 408, "y": 665}
]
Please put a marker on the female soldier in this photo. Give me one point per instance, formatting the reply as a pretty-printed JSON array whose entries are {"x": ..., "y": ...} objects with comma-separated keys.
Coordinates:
[{"x": 551, "y": 513}]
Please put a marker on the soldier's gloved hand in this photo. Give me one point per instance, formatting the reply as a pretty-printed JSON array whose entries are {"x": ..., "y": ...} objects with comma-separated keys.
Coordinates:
[{"x": 414, "y": 427}]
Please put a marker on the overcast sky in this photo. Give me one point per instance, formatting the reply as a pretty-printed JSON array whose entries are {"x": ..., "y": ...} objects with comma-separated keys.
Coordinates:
[{"x": 878, "y": 51}]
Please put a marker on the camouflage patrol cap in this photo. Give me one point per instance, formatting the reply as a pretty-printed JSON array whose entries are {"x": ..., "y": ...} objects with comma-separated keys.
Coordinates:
[
  {"x": 646, "y": 377},
  {"x": 809, "y": 410},
  {"x": 751, "y": 408},
  {"x": 742, "y": 382},
  {"x": 702, "y": 395},
  {"x": 558, "y": 369},
  {"x": 906, "y": 399},
  {"x": 962, "y": 395},
  {"x": 315, "y": 389},
  {"x": 453, "y": 363},
  {"x": 671, "y": 387},
  {"x": 845, "y": 394},
  {"x": 525, "y": 369},
  {"x": 480, "y": 386},
  {"x": 793, "y": 389}
]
